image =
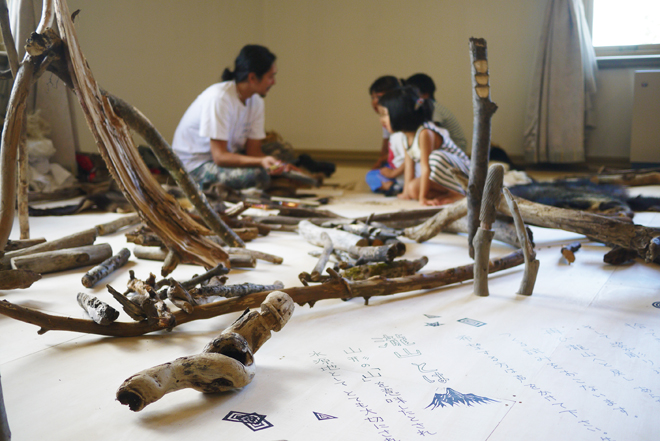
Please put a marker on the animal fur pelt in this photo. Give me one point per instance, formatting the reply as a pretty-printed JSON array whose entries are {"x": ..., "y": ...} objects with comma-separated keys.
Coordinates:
[
  {"x": 110, "y": 201},
  {"x": 586, "y": 196}
]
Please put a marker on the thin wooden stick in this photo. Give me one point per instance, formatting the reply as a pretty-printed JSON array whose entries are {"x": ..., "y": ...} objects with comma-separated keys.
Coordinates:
[
  {"x": 337, "y": 288},
  {"x": 433, "y": 226},
  {"x": 17, "y": 279},
  {"x": 531, "y": 263},
  {"x": 105, "y": 268},
  {"x": 8, "y": 38},
  {"x": 100, "y": 312}
]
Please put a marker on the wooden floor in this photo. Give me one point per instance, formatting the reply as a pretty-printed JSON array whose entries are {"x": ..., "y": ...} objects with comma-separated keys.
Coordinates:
[{"x": 577, "y": 360}]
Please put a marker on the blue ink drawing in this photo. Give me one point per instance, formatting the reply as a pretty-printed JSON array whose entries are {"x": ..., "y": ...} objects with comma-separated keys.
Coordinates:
[
  {"x": 321, "y": 416},
  {"x": 253, "y": 421},
  {"x": 451, "y": 397},
  {"x": 432, "y": 316},
  {"x": 656, "y": 304},
  {"x": 434, "y": 324},
  {"x": 471, "y": 322}
]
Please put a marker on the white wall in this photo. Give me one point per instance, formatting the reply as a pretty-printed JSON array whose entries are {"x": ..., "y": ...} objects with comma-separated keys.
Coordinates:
[{"x": 159, "y": 54}]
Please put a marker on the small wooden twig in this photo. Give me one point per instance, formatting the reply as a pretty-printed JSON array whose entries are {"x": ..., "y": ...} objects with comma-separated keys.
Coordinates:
[
  {"x": 62, "y": 260},
  {"x": 237, "y": 209},
  {"x": 100, "y": 312},
  {"x": 259, "y": 255},
  {"x": 226, "y": 363},
  {"x": 159, "y": 254},
  {"x": 483, "y": 110},
  {"x": 105, "y": 268},
  {"x": 8, "y": 38},
  {"x": 301, "y": 295},
  {"x": 531, "y": 263},
  {"x": 323, "y": 259},
  {"x": 568, "y": 251},
  {"x": 382, "y": 253},
  {"x": 398, "y": 268},
  {"x": 17, "y": 279},
  {"x": 341, "y": 240},
  {"x": 484, "y": 236}
]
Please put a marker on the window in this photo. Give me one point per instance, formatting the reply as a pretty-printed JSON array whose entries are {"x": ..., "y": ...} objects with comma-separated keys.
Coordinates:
[{"x": 625, "y": 28}]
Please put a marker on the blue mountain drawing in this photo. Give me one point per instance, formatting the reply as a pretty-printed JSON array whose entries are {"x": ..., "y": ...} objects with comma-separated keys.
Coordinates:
[{"x": 452, "y": 397}]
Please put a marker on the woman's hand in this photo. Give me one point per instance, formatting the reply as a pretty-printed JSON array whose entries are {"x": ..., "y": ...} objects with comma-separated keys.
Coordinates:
[{"x": 270, "y": 164}]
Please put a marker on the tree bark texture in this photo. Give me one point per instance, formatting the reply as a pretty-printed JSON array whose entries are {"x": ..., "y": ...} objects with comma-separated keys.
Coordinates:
[
  {"x": 105, "y": 268},
  {"x": 100, "y": 312},
  {"x": 17, "y": 279},
  {"x": 82, "y": 238},
  {"x": 336, "y": 288},
  {"x": 483, "y": 109},
  {"x": 158, "y": 209}
]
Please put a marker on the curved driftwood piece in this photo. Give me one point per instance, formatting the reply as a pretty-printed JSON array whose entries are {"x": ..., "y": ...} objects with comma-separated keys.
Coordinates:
[
  {"x": 484, "y": 237},
  {"x": 505, "y": 230},
  {"x": 62, "y": 260},
  {"x": 105, "y": 268},
  {"x": 483, "y": 110},
  {"x": 436, "y": 224},
  {"x": 118, "y": 224},
  {"x": 600, "y": 228},
  {"x": 171, "y": 162},
  {"x": 335, "y": 289},
  {"x": 8, "y": 38},
  {"x": 17, "y": 279},
  {"x": 531, "y": 263},
  {"x": 158, "y": 210},
  {"x": 226, "y": 363},
  {"x": 82, "y": 238},
  {"x": 100, "y": 312}
]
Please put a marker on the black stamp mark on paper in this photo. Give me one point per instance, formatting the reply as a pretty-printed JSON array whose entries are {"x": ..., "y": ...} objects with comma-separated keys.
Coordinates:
[{"x": 253, "y": 421}]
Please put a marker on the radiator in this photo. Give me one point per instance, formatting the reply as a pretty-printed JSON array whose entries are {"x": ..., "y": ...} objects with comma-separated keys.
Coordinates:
[{"x": 645, "y": 136}]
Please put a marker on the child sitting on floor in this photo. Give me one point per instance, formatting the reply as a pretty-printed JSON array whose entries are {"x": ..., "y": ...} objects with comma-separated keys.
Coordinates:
[{"x": 403, "y": 110}]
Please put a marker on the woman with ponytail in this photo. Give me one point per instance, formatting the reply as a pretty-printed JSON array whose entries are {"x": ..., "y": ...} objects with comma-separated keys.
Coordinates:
[{"x": 219, "y": 137}]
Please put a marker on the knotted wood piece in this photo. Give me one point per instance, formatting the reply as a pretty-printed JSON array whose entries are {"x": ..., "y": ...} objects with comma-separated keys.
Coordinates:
[
  {"x": 334, "y": 289},
  {"x": 156, "y": 208},
  {"x": 484, "y": 236},
  {"x": 483, "y": 110},
  {"x": 226, "y": 363}
]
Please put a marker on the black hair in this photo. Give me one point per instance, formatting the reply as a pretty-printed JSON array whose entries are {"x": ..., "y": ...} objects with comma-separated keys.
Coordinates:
[
  {"x": 407, "y": 110},
  {"x": 384, "y": 84},
  {"x": 252, "y": 58},
  {"x": 423, "y": 83}
]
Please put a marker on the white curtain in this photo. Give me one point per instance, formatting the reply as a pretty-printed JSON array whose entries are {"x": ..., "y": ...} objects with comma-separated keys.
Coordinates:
[
  {"x": 50, "y": 96},
  {"x": 559, "y": 106}
]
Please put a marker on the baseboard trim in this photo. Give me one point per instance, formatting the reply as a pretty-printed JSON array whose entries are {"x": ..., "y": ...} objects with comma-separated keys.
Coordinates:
[{"x": 341, "y": 155}]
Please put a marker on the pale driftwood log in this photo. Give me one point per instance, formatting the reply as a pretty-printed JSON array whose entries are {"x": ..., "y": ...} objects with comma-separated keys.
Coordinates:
[
  {"x": 531, "y": 263},
  {"x": 436, "y": 224},
  {"x": 13, "y": 245},
  {"x": 323, "y": 259},
  {"x": 600, "y": 228},
  {"x": 158, "y": 209},
  {"x": 203, "y": 293},
  {"x": 226, "y": 363},
  {"x": 505, "y": 230},
  {"x": 159, "y": 254},
  {"x": 568, "y": 251},
  {"x": 336, "y": 288},
  {"x": 17, "y": 279},
  {"x": 100, "y": 312},
  {"x": 105, "y": 268},
  {"x": 341, "y": 240},
  {"x": 382, "y": 253},
  {"x": 484, "y": 236},
  {"x": 118, "y": 224},
  {"x": 82, "y": 238},
  {"x": 483, "y": 110},
  {"x": 62, "y": 260},
  {"x": 259, "y": 255}
]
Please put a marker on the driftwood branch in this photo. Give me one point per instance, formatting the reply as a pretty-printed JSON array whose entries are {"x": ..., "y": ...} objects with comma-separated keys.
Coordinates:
[
  {"x": 439, "y": 222},
  {"x": 117, "y": 224},
  {"x": 8, "y": 38},
  {"x": 158, "y": 209},
  {"x": 531, "y": 263},
  {"x": 171, "y": 162},
  {"x": 160, "y": 254},
  {"x": 62, "y": 260},
  {"x": 82, "y": 238},
  {"x": 603, "y": 229},
  {"x": 337, "y": 288},
  {"x": 483, "y": 109},
  {"x": 226, "y": 363}
]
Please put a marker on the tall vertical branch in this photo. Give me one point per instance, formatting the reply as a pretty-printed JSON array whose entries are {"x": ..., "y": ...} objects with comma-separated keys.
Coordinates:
[{"x": 483, "y": 109}]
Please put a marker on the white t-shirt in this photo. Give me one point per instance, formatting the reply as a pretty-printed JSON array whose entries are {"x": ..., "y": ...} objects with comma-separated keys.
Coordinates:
[
  {"x": 397, "y": 156},
  {"x": 217, "y": 113}
]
